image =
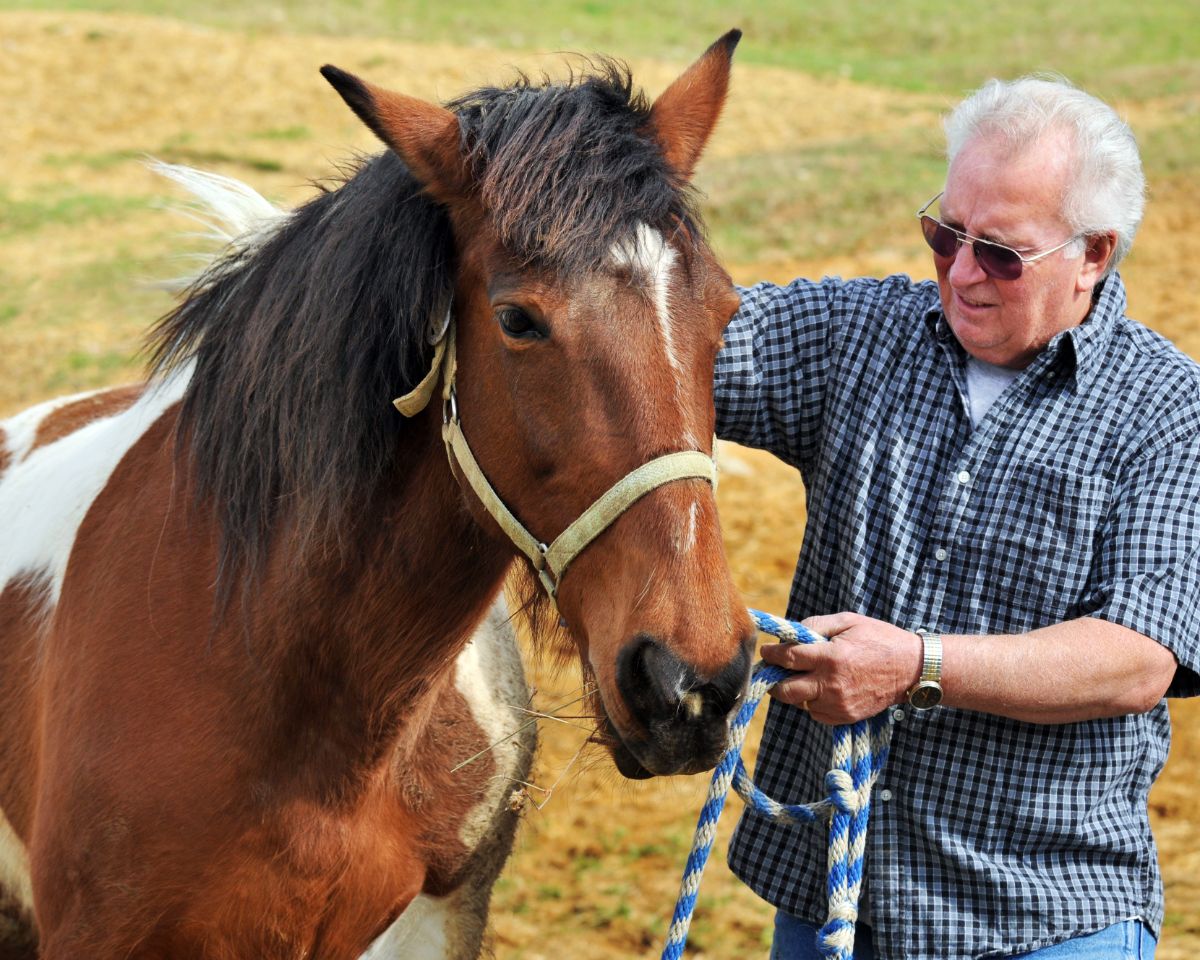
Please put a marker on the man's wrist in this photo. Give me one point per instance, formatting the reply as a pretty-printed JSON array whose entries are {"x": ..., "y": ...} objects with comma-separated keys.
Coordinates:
[{"x": 926, "y": 693}]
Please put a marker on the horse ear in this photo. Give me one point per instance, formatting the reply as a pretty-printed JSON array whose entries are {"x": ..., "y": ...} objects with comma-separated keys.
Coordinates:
[
  {"x": 423, "y": 134},
  {"x": 683, "y": 117}
]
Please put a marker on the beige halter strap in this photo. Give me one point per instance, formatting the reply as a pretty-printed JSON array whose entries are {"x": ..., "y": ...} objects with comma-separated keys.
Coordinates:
[{"x": 551, "y": 562}]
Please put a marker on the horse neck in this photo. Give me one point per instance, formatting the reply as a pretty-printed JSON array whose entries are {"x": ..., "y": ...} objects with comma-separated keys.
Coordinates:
[{"x": 361, "y": 647}]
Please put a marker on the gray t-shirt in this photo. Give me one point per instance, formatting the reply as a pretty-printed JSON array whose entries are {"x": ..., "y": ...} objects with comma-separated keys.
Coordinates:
[{"x": 985, "y": 382}]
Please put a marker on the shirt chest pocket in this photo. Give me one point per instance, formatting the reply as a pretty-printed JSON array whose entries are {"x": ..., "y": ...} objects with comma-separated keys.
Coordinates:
[{"x": 1038, "y": 537}]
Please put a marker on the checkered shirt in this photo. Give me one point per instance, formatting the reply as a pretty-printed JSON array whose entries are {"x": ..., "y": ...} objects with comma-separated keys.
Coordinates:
[{"x": 1078, "y": 495}]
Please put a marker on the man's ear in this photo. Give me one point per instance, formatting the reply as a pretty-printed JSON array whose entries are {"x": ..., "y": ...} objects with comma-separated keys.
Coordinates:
[
  {"x": 683, "y": 116},
  {"x": 1097, "y": 254},
  {"x": 425, "y": 135}
]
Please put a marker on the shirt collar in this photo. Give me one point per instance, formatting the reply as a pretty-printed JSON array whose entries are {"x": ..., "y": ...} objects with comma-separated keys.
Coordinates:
[
  {"x": 1079, "y": 349},
  {"x": 1089, "y": 340}
]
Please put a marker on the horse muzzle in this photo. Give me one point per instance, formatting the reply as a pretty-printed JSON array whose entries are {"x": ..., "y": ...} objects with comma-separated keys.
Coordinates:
[{"x": 683, "y": 717}]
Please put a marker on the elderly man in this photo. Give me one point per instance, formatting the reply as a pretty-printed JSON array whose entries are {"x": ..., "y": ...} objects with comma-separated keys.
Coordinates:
[{"x": 1003, "y": 544}]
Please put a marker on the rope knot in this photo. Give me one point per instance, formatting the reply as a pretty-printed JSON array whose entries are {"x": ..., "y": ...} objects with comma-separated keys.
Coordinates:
[
  {"x": 843, "y": 792},
  {"x": 836, "y": 938}
]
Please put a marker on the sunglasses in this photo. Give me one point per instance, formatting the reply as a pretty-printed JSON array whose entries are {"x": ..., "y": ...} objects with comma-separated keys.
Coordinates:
[{"x": 995, "y": 259}]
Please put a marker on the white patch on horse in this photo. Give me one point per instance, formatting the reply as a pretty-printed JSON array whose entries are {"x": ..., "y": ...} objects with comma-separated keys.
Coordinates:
[
  {"x": 46, "y": 495},
  {"x": 21, "y": 429},
  {"x": 421, "y": 932},
  {"x": 688, "y": 540},
  {"x": 490, "y": 676},
  {"x": 14, "y": 866}
]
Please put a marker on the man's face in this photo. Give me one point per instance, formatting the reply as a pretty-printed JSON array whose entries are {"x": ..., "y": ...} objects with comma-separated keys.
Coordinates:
[{"x": 1014, "y": 199}]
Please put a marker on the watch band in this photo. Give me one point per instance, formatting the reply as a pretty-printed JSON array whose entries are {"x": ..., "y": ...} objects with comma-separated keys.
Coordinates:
[
  {"x": 931, "y": 667},
  {"x": 926, "y": 693}
]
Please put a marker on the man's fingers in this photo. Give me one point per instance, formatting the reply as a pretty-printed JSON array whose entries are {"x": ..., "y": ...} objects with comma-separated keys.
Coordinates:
[
  {"x": 793, "y": 656},
  {"x": 830, "y": 624},
  {"x": 795, "y": 690}
]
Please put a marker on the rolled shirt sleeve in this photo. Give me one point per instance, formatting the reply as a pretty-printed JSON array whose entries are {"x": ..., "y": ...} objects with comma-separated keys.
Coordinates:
[{"x": 1147, "y": 564}]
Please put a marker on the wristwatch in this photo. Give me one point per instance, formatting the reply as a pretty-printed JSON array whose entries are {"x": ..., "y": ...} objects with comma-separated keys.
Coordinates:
[{"x": 926, "y": 693}]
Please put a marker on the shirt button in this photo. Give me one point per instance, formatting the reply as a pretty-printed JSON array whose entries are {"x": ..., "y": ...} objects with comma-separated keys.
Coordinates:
[
  {"x": 964, "y": 476},
  {"x": 897, "y": 715},
  {"x": 885, "y": 795},
  {"x": 940, "y": 554}
]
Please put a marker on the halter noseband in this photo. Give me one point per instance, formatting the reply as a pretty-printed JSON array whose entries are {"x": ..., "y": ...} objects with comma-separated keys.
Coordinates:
[{"x": 551, "y": 561}]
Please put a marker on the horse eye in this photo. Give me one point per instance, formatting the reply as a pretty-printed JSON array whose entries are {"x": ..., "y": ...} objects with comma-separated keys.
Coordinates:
[{"x": 518, "y": 324}]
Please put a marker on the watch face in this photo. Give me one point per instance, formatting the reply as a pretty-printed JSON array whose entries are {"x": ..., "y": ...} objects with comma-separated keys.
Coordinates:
[{"x": 925, "y": 695}]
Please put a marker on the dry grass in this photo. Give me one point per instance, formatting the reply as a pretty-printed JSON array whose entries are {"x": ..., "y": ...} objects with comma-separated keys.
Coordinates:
[{"x": 86, "y": 95}]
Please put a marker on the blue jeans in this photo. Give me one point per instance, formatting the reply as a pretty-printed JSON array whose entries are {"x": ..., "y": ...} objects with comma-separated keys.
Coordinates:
[{"x": 1128, "y": 940}]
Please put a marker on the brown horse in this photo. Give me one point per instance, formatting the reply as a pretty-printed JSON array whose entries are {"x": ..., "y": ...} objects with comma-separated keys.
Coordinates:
[{"x": 245, "y": 641}]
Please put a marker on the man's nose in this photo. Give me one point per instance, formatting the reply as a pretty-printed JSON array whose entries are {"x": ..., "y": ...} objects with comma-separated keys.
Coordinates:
[{"x": 965, "y": 269}]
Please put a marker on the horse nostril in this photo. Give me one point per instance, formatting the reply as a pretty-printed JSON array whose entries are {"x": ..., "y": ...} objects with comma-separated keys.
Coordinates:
[
  {"x": 651, "y": 678},
  {"x": 657, "y": 684}
]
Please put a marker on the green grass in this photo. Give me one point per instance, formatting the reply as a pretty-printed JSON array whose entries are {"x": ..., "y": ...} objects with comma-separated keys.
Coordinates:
[
  {"x": 824, "y": 200},
  {"x": 298, "y": 132},
  {"x": 101, "y": 160},
  {"x": 206, "y": 158},
  {"x": 1109, "y": 46},
  {"x": 1173, "y": 148},
  {"x": 91, "y": 366},
  {"x": 26, "y": 215}
]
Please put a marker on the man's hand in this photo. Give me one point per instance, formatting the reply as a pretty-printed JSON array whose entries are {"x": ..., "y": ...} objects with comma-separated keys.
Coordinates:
[
  {"x": 868, "y": 665},
  {"x": 1063, "y": 673}
]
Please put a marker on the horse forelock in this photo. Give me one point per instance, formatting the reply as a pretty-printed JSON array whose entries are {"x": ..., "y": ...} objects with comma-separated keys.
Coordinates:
[{"x": 568, "y": 171}]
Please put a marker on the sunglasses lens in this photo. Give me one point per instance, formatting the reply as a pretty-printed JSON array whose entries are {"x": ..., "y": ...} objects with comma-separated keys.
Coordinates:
[
  {"x": 941, "y": 239},
  {"x": 998, "y": 262}
]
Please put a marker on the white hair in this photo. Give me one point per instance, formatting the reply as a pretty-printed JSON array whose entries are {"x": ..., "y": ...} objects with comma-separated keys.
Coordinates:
[{"x": 1107, "y": 191}]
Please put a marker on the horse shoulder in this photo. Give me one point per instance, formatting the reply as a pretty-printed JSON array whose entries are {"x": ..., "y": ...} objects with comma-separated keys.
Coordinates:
[
  {"x": 471, "y": 837},
  {"x": 490, "y": 675}
]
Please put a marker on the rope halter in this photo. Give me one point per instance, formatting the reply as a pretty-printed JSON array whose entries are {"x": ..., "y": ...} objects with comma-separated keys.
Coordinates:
[{"x": 550, "y": 561}]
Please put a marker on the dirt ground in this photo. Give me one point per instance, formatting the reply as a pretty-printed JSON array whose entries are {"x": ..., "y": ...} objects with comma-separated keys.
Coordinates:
[{"x": 598, "y": 860}]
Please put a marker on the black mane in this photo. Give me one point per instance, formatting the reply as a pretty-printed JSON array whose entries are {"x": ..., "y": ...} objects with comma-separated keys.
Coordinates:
[
  {"x": 298, "y": 345},
  {"x": 300, "y": 342}
]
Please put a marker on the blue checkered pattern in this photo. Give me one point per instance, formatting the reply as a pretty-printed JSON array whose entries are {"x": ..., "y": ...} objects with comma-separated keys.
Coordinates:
[{"x": 1077, "y": 495}]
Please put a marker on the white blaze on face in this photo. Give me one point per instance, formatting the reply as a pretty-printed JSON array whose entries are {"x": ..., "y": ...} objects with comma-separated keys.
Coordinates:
[
  {"x": 651, "y": 259},
  {"x": 651, "y": 262},
  {"x": 689, "y": 537}
]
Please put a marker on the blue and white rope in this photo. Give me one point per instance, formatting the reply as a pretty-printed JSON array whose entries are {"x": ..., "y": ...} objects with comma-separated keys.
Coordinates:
[{"x": 859, "y": 753}]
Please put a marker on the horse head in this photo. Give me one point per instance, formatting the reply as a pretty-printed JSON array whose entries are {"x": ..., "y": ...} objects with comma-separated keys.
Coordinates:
[{"x": 587, "y": 313}]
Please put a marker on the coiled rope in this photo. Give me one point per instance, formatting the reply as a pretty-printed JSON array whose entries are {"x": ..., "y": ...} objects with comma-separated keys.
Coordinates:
[{"x": 859, "y": 753}]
